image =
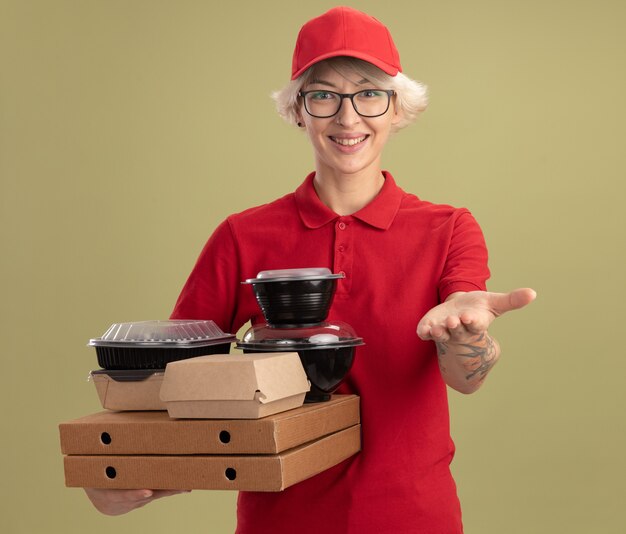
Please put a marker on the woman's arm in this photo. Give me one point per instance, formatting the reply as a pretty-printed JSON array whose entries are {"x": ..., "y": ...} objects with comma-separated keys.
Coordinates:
[{"x": 459, "y": 326}]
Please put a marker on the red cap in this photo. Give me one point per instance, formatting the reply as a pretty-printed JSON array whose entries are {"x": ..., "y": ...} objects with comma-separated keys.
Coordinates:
[{"x": 344, "y": 31}]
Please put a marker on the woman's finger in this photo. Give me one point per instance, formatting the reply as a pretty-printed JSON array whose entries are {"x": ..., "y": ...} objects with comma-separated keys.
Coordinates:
[
  {"x": 452, "y": 321},
  {"x": 475, "y": 323},
  {"x": 131, "y": 495},
  {"x": 423, "y": 330},
  {"x": 158, "y": 494},
  {"x": 439, "y": 333},
  {"x": 504, "y": 302},
  {"x": 459, "y": 333}
]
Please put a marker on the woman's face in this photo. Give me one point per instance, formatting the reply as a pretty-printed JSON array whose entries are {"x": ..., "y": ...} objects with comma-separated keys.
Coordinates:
[{"x": 347, "y": 143}]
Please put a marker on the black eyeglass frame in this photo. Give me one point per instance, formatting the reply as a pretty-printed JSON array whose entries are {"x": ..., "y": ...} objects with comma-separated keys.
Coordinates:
[{"x": 389, "y": 93}]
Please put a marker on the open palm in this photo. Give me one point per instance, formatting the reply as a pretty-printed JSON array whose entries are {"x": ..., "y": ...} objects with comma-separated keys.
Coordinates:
[{"x": 465, "y": 315}]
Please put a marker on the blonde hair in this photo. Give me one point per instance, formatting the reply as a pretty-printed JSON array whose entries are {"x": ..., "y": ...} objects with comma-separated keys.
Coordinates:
[{"x": 411, "y": 96}]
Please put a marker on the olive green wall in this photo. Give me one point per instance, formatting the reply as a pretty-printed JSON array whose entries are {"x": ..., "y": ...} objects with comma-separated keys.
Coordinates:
[{"x": 129, "y": 129}]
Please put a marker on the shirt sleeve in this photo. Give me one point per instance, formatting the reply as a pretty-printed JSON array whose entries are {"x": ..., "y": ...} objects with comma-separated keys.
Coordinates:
[
  {"x": 466, "y": 266},
  {"x": 212, "y": 287}
]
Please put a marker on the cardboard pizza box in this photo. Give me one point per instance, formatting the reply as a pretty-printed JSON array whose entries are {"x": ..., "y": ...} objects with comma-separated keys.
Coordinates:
[
  {"x": 273, "y": 472},
  {"x": 127, "y": 433}
]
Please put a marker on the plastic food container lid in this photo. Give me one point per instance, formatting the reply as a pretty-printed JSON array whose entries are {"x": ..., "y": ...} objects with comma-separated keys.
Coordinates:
[
  {"x": 171, "y": 333},
  {"x": 327, "y": 335},
  {"x": 285, "y": 275}
]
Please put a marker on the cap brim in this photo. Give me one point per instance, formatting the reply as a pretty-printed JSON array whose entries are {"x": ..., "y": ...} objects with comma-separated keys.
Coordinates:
[{"x": 392, "y": 70}]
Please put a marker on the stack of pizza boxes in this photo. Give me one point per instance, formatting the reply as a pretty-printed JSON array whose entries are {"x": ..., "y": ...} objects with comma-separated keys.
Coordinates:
[{"x": 181, "y": 413}]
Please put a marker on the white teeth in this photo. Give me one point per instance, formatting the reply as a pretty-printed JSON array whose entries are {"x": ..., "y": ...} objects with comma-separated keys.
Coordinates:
[{"x": 348, "y": 142}]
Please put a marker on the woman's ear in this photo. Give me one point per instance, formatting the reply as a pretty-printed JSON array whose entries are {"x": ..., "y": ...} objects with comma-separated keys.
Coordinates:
[{"x": 397, "y": 114}]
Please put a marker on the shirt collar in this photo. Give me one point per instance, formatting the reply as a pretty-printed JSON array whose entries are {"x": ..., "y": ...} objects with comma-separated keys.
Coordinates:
[{"x": 379, "y": 213}]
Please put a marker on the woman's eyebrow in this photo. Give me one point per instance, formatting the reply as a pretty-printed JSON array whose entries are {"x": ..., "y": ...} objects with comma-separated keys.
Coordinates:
[{"x": 322, "y": 82}]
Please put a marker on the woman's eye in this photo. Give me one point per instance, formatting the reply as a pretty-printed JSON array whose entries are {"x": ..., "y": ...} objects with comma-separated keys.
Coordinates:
[
  {"x": 321, "y": 95},
  {"x": 371, "y": 94}
]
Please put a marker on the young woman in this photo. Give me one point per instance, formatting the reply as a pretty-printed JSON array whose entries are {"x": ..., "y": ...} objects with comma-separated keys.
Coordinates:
[{"x": 414, "y": 288}]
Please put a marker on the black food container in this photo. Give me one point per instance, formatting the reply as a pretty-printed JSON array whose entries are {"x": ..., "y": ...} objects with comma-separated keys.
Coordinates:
[
  {"x": 153, "y": 344},
  {"x": 295, "y": 297},
  {"x": 326, "y": 352}
]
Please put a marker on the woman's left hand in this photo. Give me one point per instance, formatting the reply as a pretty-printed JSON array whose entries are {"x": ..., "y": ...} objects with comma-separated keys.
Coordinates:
[
  {"x": 463, "y": 316},
  {"x": 465, "y": 351}
]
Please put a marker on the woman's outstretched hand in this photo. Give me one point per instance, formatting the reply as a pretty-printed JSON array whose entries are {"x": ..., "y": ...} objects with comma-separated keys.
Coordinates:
[
  {"x": 464, "y": 315},
  {"x": 459, "y": 326},
  {"x": 121, "y": 501}
]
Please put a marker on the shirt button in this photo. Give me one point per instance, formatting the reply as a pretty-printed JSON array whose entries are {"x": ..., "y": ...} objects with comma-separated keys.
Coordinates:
[
  {"x": 342, "y": 225},
  {"x": 341, "y": 248}
]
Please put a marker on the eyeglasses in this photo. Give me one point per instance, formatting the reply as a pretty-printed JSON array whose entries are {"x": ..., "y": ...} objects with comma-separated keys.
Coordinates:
[{"x": 367, "y": 103}]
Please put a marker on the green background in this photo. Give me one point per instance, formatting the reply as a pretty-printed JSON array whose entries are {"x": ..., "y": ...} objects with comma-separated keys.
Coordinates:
[{"x": 129, "y": 129}]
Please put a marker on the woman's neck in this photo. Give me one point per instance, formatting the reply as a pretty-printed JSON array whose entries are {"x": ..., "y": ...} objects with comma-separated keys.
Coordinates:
[{"x": 348, "y": 193}]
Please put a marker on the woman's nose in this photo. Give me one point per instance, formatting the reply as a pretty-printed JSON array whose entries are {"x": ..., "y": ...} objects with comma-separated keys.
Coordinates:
[{"x": 347, "y": 115}]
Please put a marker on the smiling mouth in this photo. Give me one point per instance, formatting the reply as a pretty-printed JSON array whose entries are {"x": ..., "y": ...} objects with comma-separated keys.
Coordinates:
[{"x": 348, "y": 142}]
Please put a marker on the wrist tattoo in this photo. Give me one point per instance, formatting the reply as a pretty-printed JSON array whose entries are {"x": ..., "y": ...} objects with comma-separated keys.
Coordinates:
[
  {"x": 481, "y": 356},
  {"x": 442, "y": 348}
]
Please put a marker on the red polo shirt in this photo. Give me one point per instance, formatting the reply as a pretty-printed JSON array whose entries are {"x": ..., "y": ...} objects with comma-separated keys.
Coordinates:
[{"x": 401, "y": 257}]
